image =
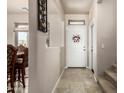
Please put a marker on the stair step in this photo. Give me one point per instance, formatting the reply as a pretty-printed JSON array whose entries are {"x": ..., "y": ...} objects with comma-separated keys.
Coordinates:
[
  {"x": 106, "y": 85},
  {"x": 114, "y": 67},
  {"x": 111, "y": 76}
]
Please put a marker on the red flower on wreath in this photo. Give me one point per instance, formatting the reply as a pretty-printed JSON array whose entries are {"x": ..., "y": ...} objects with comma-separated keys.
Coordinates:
[{"x": 76, "y": 38}]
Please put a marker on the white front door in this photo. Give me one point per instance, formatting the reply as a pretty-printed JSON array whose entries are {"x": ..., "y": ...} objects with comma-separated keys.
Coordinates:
[{"x": 76, "y": 42}]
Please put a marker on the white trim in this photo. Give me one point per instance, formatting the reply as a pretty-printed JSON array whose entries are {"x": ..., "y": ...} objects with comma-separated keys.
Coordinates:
[
  {"x": 95, "y": 77},
  {"x": 57, "y": 82},
  {"x": 66, "y": 67},
  {"x": 87, "y": 67},
  {"x": 92, "y": 22}
]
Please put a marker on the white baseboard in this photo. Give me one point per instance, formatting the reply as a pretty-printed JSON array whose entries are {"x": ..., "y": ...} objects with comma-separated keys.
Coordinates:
[
  {"x": 87, "y": 67},
  {"x": 95, "y": 77},
  {"x": 57, "y": 82},
  {"x": 93, "y": 74},
  {"x": 66, "y": 67}
]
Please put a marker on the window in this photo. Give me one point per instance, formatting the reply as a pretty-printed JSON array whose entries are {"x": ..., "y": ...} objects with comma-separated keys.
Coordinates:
[
  {"x": 21, "y": 34},
  {"x": 22, "y": 39},
  {"x": 76, "y": 22}
]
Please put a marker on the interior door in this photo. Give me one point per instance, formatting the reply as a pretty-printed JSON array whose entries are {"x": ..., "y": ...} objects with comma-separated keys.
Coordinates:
[{"x": 76, "y": 46}]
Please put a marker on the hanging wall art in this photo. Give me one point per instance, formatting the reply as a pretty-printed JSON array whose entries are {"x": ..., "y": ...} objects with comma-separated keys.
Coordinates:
[{"x": 42, "y": 15}]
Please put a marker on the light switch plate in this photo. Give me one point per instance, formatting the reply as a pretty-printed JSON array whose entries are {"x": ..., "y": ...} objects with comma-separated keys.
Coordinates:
[{"x": 102, "y": 46}]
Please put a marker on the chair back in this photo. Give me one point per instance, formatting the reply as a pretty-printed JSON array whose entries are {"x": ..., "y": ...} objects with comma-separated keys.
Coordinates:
[
  {"x": 21, "y": 48},
  {"x": 11, "y": 55},
  {"x": 26, "y": 57}
]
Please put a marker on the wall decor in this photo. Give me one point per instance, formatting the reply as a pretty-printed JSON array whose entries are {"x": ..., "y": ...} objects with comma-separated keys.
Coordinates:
[
  {"x": 76, "y": 38},
  {"x": 42, "y": 15}
]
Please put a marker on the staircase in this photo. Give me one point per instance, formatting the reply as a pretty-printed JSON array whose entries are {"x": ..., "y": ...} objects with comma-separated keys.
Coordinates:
[{"x": 108, "y": 81}]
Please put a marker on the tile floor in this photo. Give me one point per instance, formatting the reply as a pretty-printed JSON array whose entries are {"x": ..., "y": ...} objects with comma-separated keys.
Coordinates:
[
  {"x": 73, "y": 80},
  {"x": 19, "y": 87},
  {"x": 77, "y": 80}
]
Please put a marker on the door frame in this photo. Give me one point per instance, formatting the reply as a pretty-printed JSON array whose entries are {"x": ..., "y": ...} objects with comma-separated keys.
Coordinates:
[{"x": 94, "y": 61}]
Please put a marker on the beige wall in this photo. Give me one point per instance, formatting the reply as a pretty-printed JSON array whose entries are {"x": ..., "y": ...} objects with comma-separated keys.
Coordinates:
[
  {"x": 46, "y": 63},
  {"x": 106, "y": 34},
  {"x": 33, "y": 85},
  {"x": 11, "y": 19},
  {"x": 56, "y": 30},
  {"x": 56, "y": 22},
  {"x": 93, "y": 11},
  {"x": 103, "y": 15}
]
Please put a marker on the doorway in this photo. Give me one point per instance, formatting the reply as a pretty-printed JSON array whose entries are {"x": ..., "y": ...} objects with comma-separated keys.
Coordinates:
[
  {"x": 92, "y": 28},
  {"x": 76, "y": 39},
  {"x": 92, "y": 47},
  {"x": 18, "y": 37}
]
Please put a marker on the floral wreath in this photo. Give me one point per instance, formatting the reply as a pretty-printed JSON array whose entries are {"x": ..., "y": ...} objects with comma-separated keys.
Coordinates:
[{"x": 76, "y": 38}]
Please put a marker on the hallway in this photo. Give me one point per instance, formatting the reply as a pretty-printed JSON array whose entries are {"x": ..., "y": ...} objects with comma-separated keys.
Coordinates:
[
  {"x": 49, "y": 51},
  {"x": 77, "y": 80}
]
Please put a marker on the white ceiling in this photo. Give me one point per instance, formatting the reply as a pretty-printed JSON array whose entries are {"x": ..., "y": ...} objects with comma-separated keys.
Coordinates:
[
  {"x": 15, "y": 6},
  {"x": 76, "y": 6},
  {"x": 70, "y": 6}
]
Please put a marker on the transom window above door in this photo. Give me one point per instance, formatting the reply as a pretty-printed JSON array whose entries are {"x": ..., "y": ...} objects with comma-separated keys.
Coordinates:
[{"x": 76, "y": 22}]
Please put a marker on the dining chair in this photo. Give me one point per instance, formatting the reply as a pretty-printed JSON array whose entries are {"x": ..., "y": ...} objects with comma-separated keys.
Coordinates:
[
  {"x": 11, "y": 59},
  {"x": 20, "y": 65},
  {"x": 20, "y": 48},
  {"x": 26, "y": 57}
]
